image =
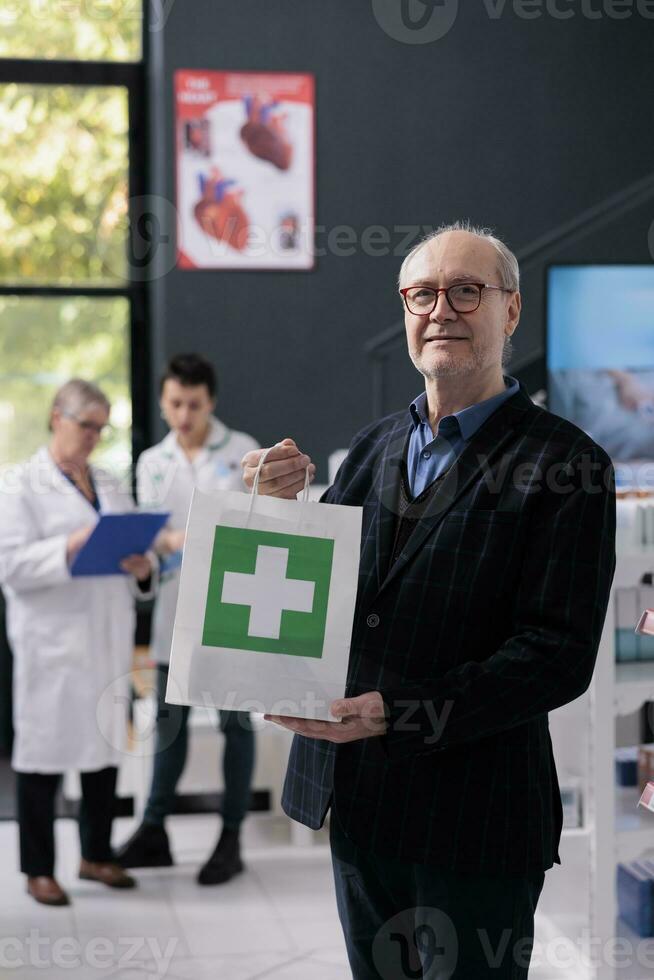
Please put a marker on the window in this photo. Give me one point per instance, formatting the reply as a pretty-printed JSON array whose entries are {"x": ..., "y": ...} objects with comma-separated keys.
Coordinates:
[
  {"x": 99, "y": 30},
  {"x": 45, "y": 340},
  {"x": 64, "y": 158},
  {"x": 71, "y": 163}
]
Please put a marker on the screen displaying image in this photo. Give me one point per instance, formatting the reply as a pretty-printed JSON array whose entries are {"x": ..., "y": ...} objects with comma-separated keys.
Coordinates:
[{"x": 600, "y": 355}]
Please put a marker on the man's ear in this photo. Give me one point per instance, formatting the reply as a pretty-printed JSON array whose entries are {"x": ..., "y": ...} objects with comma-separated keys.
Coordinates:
[{"x": 513, "y": 314}]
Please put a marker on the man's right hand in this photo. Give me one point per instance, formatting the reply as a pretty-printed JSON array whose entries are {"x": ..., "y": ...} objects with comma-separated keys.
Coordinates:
[
  {"x": 169, "y": 540},
  {"x": 282, "y": 475}
]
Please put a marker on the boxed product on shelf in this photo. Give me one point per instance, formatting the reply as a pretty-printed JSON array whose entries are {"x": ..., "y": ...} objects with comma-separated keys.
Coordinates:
[
  {"x": 647, "y": 797},
  {"x": 645, "y": 765},
  {"x": 626, "y": 766},
  {"x": 636, "y": 896},
  {"x": 634, "y": 644},
  {"x": 627, "y": 611},
  {"x": 570, "y": 787},
  {"x": 646, "y": 623},
  {"x": 645, "y": 628}
]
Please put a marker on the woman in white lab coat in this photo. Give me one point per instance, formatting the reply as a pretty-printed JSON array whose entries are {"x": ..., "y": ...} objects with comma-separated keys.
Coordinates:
[{"x": 72, "y": 640}]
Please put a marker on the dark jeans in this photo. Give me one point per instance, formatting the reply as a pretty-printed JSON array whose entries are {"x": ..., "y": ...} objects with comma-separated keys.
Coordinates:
[
  {"x": 36, "y": 793},
  {"x": 404, "y": 920},
  {"x": 170, "y": 757}
]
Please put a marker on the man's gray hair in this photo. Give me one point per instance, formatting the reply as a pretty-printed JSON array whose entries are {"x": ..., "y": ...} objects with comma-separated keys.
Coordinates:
[
  {"x": 507, "y": 264},
  {"x": 76, "y": 395}
]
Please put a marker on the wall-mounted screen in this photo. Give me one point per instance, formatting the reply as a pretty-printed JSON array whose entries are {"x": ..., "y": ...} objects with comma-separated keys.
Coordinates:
[{"x": 600, "y": 355}]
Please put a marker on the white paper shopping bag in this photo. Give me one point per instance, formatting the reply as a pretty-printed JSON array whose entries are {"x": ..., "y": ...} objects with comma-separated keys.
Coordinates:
[{"x": 266, "y": 604}]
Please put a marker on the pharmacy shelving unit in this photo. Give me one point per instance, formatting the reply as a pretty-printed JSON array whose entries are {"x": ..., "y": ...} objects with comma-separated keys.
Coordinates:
[{"x": 577, "y": 922}]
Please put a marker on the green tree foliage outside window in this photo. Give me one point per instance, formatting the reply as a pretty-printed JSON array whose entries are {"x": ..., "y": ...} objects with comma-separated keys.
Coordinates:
[
  {"x": 85, "y": 30},
  {"x": 63, "y": 184},
  {"x": 45, "y": 341},
  {"x": 64, "y": 152}
]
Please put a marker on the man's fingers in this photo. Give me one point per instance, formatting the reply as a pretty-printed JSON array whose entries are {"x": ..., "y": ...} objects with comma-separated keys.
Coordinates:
[
  {"x": 284, "y": 451},
  {"x": 284, "y": 472},
  {"x": 289, "y": 492},
  {"x": 281, "y": 474},
  {"x": 281, "y": 450},
  {"x": 288, "y": 486},
  {"x": 272, "y": 470}
]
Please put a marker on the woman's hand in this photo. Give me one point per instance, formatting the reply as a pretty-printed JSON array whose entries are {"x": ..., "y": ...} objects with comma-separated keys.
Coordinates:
[
  {"x": 139, "y": 566},
  {"x": 76, "y": 541}
]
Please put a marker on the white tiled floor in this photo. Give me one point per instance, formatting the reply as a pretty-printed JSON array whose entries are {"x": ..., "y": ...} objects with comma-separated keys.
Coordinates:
[{"x": 277, "y": 920}]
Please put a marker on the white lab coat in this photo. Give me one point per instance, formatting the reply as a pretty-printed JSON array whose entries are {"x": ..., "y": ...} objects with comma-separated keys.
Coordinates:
[
  {"x": 165, "y": 480},
  {"x": 72, "y": 638}
]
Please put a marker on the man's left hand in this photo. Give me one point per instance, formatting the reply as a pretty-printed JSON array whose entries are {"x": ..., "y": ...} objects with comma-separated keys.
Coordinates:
[{"x": 363, "y": 717}]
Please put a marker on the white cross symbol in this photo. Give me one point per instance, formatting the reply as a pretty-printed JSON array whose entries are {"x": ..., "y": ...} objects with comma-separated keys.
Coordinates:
[{"x": 268, "y": 592}]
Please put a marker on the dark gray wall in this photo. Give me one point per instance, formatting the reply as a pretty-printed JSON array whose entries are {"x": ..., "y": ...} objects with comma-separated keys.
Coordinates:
[{"x": 519, "y": 124}]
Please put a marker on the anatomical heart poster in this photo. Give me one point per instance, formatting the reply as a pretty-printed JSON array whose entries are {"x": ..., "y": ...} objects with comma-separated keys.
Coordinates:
[{"x": 245, "y": 169}]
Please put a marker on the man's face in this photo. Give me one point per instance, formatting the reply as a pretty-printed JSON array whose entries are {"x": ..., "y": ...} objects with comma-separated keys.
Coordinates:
[
  {"x": 444, "y": 343},
  {"x": 186, "y": 408}
]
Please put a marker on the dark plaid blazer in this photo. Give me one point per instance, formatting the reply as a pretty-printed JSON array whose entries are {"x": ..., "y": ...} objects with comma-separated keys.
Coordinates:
[{"x": 490, "y": 618}]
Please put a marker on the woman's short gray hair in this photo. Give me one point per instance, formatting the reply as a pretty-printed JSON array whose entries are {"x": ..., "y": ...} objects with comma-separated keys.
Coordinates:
[
  {"x": 76, "y": 395},
  {"x": 507, "y": 264}
]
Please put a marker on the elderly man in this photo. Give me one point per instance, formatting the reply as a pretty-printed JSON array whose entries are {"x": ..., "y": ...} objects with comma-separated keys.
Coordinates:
[{"x": 487, "y": 555}]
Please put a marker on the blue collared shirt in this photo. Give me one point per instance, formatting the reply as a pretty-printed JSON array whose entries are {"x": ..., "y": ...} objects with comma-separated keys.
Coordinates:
[{"x": 429, "y": 456}]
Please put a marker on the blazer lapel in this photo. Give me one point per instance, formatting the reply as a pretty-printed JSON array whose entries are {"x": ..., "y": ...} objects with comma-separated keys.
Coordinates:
[
  {"x": 387, "y": 486},
  {"x": 487, "y": 443}
]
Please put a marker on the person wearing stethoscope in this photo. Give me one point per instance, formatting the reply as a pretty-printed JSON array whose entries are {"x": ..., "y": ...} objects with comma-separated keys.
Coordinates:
[{"x": 199, "y": 451}]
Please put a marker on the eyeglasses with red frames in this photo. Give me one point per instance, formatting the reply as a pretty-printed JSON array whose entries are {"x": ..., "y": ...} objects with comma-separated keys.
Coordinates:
[{"x": 463, "y": 297}]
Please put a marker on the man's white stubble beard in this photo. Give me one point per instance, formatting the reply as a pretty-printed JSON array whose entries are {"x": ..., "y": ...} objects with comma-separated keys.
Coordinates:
[
  {"x": 448, "y": 367},
  {"x": 478, "y": 359}
]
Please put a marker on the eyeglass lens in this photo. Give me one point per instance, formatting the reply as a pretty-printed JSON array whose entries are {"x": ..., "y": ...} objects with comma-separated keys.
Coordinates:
[{"x": 463, "y": 297}]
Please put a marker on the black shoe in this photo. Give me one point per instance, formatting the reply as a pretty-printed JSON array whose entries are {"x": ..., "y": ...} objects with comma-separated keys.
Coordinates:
[
  {"x": 148, "y": 847},
  {"x": 224, "y": 863}
]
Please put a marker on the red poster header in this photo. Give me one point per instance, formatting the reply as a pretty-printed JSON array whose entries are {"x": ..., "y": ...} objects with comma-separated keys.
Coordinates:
[{"x": 196, "y": 91}]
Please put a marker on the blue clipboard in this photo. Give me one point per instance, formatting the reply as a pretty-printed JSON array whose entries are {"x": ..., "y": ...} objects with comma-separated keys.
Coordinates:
[{"x": 114, "y": 537}]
